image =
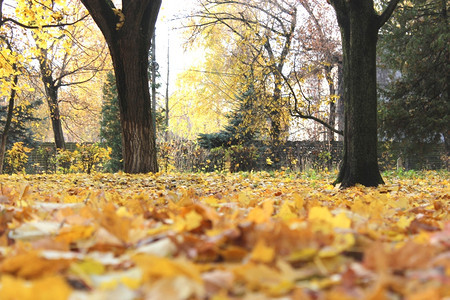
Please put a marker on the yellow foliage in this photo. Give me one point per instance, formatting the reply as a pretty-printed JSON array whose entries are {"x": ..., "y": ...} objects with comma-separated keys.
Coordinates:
[{"x": 186, "y": 236}]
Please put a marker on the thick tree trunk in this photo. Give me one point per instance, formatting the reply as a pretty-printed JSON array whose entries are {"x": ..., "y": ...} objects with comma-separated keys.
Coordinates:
[
  {"x": 359, "y": 38},
  {"x": 128, "y": 33},
  {"x": 130, "y": 58}
]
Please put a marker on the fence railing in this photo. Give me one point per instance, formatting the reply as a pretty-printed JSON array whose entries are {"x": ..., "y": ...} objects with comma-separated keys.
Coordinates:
[{"x": 297, "y": 156}]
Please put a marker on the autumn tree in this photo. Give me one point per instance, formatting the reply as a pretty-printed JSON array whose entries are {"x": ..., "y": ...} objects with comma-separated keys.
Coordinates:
[
  {"x": 207, "y": 90},
  {"x": 56, "y": 28},
  {"x": 313, "y": 83},
  {"x": 262, "y": 34},
  {"x": 65, "y": 55},
  {"x": 286, "y": 50},
  {"x": 128, "y": 32},
  {"x": 359, "y": 23},
  {"x": 11, "y": 79},
  {"x": 11, "y": 68}
]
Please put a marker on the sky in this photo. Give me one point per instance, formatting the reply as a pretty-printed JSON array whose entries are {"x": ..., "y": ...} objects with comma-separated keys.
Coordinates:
[{"x": 168, "y": 32}]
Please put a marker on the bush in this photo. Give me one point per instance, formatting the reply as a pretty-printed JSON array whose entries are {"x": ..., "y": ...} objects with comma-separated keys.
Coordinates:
[
  {"x": 16, "y": 158},
  {"x": 321, "y": 160},
  {"x": 210, "y": 161},
  {"x": 85, "y": 159},
  {"x": 47, "y": 155},
  {"x": 216, "y": 159},
  {"x": 91, "y": 157},
  {"x": 199, "y": 159},
  {"x": 243, "y": 158},
  {"x": 166, "y": 153},
  {"x": 64, "y": 160}
]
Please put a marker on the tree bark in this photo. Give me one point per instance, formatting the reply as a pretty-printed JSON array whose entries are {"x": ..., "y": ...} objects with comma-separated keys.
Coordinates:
[
  {"x": 332, "y": 106},
  {"x": 359, "y": 24},
  {"x": 340, "y": 101},
  {"x": 128, "y": 33},
  {"x": 275, "y": 112},
  {"x": 51, "y": 92},
  {"x": 55, "y": 117},
  {"x": 4, "y": 136}
]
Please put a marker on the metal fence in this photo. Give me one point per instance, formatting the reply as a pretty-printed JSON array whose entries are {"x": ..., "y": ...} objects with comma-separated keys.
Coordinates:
[{"x": 298, "y": 156}]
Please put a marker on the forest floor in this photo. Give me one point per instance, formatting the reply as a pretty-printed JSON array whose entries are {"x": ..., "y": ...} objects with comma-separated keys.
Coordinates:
[{"x": 224, "y": 236}]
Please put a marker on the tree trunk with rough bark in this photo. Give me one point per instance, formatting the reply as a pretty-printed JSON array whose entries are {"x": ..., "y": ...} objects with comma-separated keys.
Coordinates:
[
  {"x": 51, "y": 93},
  {"x": 332, "y": 105},
  {"x": 55, "y": 115},
  {"x": 359, "y": 24},
  {"x": 128, "y": 33},
  {"x": 340, "y": 101},
  {"x": 4, "y": 137}
]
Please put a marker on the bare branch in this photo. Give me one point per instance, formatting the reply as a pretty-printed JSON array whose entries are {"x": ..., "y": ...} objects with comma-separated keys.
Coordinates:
[
  {"x": 43, "y": 26},
  {"x": 387, "y": 12}
]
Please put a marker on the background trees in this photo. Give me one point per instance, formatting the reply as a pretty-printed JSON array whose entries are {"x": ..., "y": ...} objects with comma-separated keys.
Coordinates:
[
  {"x": 288, "y": 51},
  {"x": 261, "y": 35},
  {"x": 67, "y": 55},
  {"x": 285, "y": 52},
  {"x": 110, "y": 131},
  {"x": 414, "y": 47},
  {"x": 13, "y": 117}
]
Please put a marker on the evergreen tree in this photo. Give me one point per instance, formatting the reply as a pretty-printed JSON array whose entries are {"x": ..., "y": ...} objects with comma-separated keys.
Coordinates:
[
  {"x": 414, "y": 45},
  {"x": 110, "y": 130},
  {"x": 239, "y": 131},
  {"x": 20, "y": 130}
]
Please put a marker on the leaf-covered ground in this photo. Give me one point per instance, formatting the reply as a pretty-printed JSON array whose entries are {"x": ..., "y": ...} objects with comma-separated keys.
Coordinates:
[{"x": 223, "y": 236}]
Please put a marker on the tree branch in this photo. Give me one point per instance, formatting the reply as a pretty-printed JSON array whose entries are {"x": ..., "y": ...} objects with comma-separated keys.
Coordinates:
[
  {"x": 298, "y": 113},
  {"x": 387, "y": 12},
  {"x": 43, "y": 26},
  {"x": 103, "y": 15}
]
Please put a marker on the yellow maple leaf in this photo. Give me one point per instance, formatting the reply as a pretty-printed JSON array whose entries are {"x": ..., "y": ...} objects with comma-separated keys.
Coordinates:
[
  {"x": 74, "y": 233},
  {"x": 341, "y": 243},
  {"x": 286, "y": 212},
  {"x": 322, "y": 214},
  {"x": 115, "y": 224},
  {"x": 319, "y": 213},
  {"x": 261, "y": 214},
  {"x": 262, "y": 253},
  {"x": 193, "y": 220},
  {"x": 14, "y": 288},
  {"x": 159, "y": 267},
  {"x": 31, "y": 265},
  {"x": 50, "y": 287},
  {"x": 53, "y": 287}
]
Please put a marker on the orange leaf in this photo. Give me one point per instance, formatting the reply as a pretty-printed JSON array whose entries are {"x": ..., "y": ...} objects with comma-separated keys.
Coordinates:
[{"x": 31, "y": 265}]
